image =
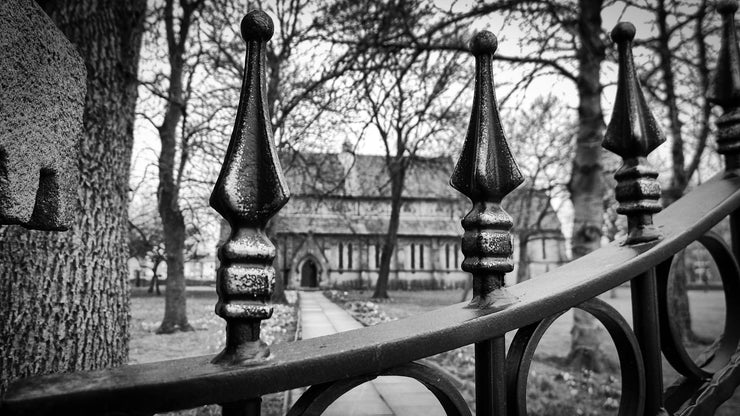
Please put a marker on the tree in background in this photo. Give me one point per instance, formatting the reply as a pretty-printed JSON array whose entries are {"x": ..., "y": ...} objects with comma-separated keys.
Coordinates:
[
  {"x": 175, "y": 136},
  {"x": 544, "y": 143},
  {"x": 304, "y": 95},
  {"x": 75, "y": 283},
  {"x": 147, "y": 243},
  {"x": 210, "y": 68},
  {"x": 408, "y": 98}
]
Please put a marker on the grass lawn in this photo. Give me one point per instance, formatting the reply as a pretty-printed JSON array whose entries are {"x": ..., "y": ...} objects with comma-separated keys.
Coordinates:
[
  {"x": 707, "y": 311},
  {"x": 208, "y": 338}
]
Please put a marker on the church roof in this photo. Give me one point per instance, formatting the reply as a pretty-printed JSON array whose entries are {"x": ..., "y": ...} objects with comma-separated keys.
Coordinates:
[
  {"x": 364, "y": 176},
  {"x": 338, "y": 225},
  {"x": 344, "y": 176}
]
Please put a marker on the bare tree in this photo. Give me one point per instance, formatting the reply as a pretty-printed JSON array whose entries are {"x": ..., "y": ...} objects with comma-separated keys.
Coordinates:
[
  {"x": 544, "y": 143},
  {"x": 408, "y": 98},
  {"x": 178, "y": 20}
]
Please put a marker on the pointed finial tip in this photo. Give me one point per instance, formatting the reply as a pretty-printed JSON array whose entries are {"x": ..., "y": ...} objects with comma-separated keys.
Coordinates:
[
  {"x": 727, "y": 6},
  {"x": 483, "y": 43},
  {"x": 257, "y": 26},
  {"x": 623, "y": 32}
]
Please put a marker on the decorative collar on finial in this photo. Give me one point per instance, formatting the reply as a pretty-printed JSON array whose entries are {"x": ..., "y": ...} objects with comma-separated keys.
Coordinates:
[
  {"x": 257, "y": 26},
  {"x": 632, "y": 131}
]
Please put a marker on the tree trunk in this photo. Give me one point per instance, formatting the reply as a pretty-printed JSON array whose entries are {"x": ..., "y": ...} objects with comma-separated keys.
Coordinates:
[
  {"x": 587, "y": 184},
  {"x": 398, "y": 174},
  {"x": 64, "y": 296},
  {"x": 278, "y": 293},
  {"x": 155, "y": 278},
  {"x": 522, "y": 271},
  {"x": 173, "y": 222}
]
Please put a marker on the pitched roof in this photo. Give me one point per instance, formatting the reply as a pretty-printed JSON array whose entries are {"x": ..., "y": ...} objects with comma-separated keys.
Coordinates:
[
  {"x": 364, "y": 175},
  {"x": 344, "y": 176}
]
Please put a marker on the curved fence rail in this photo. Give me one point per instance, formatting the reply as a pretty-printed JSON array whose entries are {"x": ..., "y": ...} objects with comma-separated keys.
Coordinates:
[{"x": 251, "y": 189}]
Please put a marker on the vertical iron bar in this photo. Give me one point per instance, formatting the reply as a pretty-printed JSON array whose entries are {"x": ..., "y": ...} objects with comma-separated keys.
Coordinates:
[
  {"x": 486, "y": 172},
  {"x": 645, "y": 323},
  {"x": 724, "y": 91},
  {"x": 490, "y": 373},
  {"x": 250, "y": 189},
  {"x": 632, "y": 134}
]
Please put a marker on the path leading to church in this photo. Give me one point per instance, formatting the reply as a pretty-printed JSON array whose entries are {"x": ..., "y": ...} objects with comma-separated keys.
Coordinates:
[{"x": 383, "y": 396}]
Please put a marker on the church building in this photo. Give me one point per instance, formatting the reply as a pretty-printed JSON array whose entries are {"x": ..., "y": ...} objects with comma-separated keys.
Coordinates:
[{"x": 329, "y": 235}]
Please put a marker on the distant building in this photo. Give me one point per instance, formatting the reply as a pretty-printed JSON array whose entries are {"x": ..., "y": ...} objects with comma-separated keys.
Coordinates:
[
  {"x": 202, "y": 268},
  {"x": 331, "y": 231}
]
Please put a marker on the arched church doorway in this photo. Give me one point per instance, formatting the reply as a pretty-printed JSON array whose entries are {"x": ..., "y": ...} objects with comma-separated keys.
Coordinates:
[{"x": 309, "y": 274}]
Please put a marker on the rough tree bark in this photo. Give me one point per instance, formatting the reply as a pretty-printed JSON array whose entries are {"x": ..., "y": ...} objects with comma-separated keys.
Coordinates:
[
  {"x": 587, "y": 185},
  {"x": 168, "y": 192},
  {"x": 64, "y": 296}
]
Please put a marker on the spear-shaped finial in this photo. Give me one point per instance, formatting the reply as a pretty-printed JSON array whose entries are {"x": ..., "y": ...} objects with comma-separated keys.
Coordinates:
[
  {"x": 724, "y": 89},
  {"x": 250, "y": 189},
  {"x": 632, "y": 134},
  {"x": 486, "y": 172}
]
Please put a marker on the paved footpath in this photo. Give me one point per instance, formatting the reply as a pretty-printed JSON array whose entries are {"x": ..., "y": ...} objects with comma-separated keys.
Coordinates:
[{"x": 388, "y": 395}]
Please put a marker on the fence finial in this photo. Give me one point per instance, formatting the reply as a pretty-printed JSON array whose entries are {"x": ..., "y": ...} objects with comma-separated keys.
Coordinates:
[
  {"x": 250, "y": 189},
  {"x": 632, "y": 134},
  {"x": 724, "y": 89},
  {"x": 486, "y": 172}
]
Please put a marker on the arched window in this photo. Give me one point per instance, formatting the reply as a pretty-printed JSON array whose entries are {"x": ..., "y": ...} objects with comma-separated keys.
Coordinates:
[
  {"x": 349, "y": 255},
  {"x": 421, "y": 256},
  {"x": 341, "y": 255},
  {"x": 457, "y": 250},
  {"x": 413, "y": 257},
  {"x": 378, "y": 249},
  {"x": 447, "y": 256}
]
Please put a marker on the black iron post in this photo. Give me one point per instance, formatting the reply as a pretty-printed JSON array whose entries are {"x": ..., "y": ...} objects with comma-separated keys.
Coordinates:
[
  {"x": 486, "y": 172},
  {"x": 632, "y": 134},
  {"x": 724, "y": 91},
  {"x": 250, "y": 189}
]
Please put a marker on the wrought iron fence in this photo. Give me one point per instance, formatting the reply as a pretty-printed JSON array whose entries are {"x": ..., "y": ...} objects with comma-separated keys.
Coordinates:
[{"x": 251, "y": 189}]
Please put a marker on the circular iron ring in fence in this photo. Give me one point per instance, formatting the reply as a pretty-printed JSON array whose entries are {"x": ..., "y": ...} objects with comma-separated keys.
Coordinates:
[
  {"x": 525, "y": 342},
  {"x": 319, "y": 397},
  {"x": 670, "y": 333}
]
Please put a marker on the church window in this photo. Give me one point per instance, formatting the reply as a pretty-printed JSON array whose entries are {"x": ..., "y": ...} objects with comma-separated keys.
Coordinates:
[
  {"x": 413, "y": 257},
  {"x": 447, "y": 256},
  {"x": 349, "y": 256},
  {"x": 285, "y": 254},
  {"x": 457, "y": 250},
  {"x": 341, "y": 255},
  {"x": 544, "y": 254},
  {"x": 378, "y": 249},
  {"x": 421, "y": 256}
]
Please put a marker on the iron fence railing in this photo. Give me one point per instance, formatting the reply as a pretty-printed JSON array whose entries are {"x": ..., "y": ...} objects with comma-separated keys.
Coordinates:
[{"x": 251, "y": 189}]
